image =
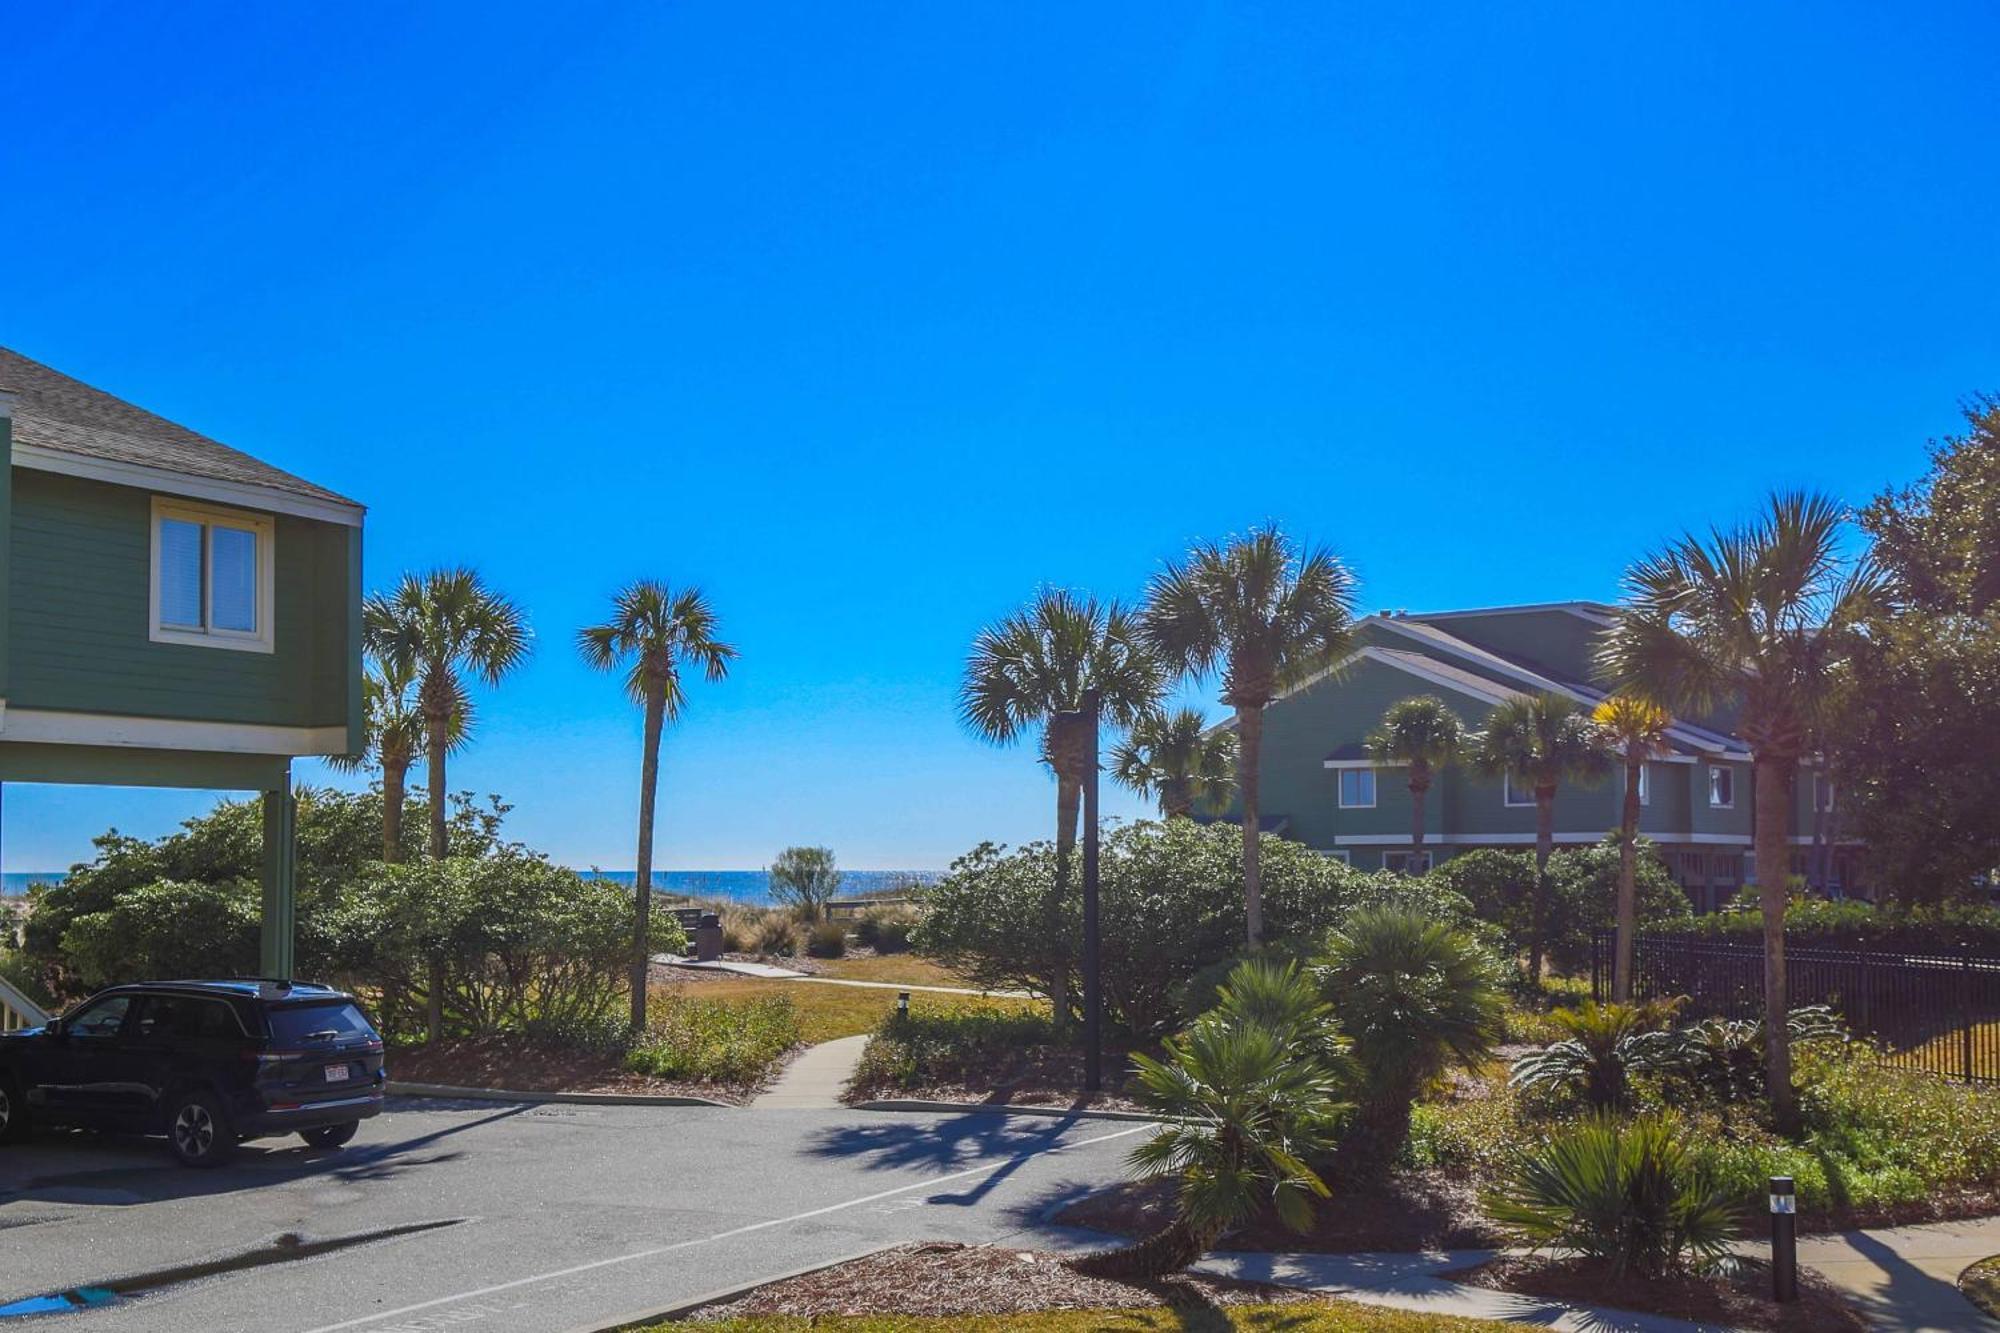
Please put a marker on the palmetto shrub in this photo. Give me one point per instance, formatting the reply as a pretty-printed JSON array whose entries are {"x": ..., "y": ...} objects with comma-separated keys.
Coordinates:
[
  {"x": 1603, "y": 1045},
  {"x": 702, "y": 1041},
  {"x": 1724, "y": 1058},
  {"x": 1626, "y": 1194}
]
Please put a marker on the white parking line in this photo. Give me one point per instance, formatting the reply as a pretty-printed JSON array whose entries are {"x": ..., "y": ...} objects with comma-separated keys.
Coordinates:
[{"x": 931, "y": 1183}]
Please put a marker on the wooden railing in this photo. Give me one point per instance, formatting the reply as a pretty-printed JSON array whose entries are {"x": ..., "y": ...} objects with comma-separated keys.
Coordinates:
[{"x": 17, "y": 1010}]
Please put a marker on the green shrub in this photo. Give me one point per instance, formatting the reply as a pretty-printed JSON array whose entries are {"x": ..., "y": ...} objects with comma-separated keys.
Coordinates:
[
  {"x": 1853, "y": 924},
  {"x": 1602, "y": 1046},
  {"x": 933, "y": 1047},
  {"x": 1627, "y": 1193},
  {"x": 776, "y": 933},
  {"x": 703, "y": 1041},
  {"x": 887, "y": 929},
  {"x": 167, "y": 929},
  {"x": 1583, "y": 894},
  {"x": 828, "y": 939}
]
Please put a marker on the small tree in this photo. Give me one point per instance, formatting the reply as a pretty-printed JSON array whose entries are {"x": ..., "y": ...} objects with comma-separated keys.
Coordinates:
[
  {"x": 807, "y": 878},
  {"x": 1637, "y": 729},
  {"x": 1425, "y": 735}
]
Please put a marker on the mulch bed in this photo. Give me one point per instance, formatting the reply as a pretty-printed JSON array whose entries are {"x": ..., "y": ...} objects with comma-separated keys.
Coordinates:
[
  {"x": 1741, "y": 1301},
  {"x": 519, "y": 1064},
  {"x": 946, "y": 1279},
  {"x": 1042, "y": 1076},
  {"x": 1413, "y": 1210}
]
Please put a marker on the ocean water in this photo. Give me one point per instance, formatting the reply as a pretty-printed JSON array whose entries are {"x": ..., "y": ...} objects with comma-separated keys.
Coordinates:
[{"x": 750, "y": 886}]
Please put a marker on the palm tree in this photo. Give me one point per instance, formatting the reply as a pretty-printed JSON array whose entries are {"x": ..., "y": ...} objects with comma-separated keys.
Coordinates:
[
  {"x": 1415, "y": 996},
  {"x": 1761, "y": 617},
  {"x": 434, "y": 629},
  {"x": 1269, "y": 614},
  {"x": 1031, "y": 670},
  {"x": 1637, "y": 730},
  {"x": 393, "y": 738},
  {"x": 1175, "y": 757},
  {"x": 1541, "y": 741},
  {"x": 658, "y": 630},
  {"x": 1246, "y": 1101},
  {"x": 1424, "y": 734}
]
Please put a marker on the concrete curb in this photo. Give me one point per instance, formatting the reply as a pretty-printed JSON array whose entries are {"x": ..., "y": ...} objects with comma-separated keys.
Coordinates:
[
  {"x": 395, "y": 1089},
  {"x": 682, "y": 1309},
  {"x": 1000, "y": 1108}
]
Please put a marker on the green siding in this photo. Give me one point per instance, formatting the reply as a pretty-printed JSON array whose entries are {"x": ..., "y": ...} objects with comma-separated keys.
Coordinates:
[
  {"x": 79, "y": 576},
  {"x": 1552, "y": 641},
  {"x": 132, "y": 766}
]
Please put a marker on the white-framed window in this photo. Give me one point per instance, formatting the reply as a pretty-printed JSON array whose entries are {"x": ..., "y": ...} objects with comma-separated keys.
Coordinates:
[
  {"x": 1823, "y": 792},
  {"x": 1721, "y": 787},
  {"x": 1357, "y": 788},
  {"x": 1514, "y": 792},
  {"x": 1645, "y": 783},
  {"x": 1407, "y": 863},
  {"x": 213, "y": 576},
  {"x": 1342, "y": 855}
]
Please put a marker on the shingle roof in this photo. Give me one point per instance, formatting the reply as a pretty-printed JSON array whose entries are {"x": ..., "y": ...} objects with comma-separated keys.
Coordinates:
[{"x": 53, "y": 411}]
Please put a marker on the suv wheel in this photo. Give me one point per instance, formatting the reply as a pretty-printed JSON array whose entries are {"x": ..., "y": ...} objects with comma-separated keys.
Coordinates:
[
  {"x": 13, "y": 1114},
  {"x": 197, "y": 1131},
  {"x": 330, "y": 1136}
]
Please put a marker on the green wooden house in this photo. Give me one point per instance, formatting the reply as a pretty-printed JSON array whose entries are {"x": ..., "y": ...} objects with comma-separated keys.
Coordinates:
[
  {"x": 1320, "y": 787},
  {"x": 173, "y": 612}
]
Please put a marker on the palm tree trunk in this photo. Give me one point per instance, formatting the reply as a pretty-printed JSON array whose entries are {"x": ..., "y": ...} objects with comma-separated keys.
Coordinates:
[
  {"x": 1168, "y": 1250},
  {"x": 1176, "y": 800},
  {"x": 1069, "y": 806},
  {"x": 1250, "y": 747},
  {"x": 642, "y": 879},
  {"x": 1628, "y": 873},
  {"x": 440, "y": 726},
  {"x": 1420, "y": 787},
  {"x": 1545, "y": 844},
  {"x": 395, "y": 775},
  {"x": 1771, "y": 775}
]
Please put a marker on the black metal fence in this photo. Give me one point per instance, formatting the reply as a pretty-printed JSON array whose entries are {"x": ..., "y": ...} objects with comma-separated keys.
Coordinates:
[{"x": 1934, "y": 1011}]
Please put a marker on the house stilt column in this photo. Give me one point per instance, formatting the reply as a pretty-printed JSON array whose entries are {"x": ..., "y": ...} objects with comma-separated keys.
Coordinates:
[{"x": 280, "y": 873}]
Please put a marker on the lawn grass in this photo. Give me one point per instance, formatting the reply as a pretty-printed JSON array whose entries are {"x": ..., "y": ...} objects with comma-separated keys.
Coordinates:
[
  {"x": 905, "y": 968},
  {"x": 1314, "y": 1317},
  {"x": 826, "y": 1012}
]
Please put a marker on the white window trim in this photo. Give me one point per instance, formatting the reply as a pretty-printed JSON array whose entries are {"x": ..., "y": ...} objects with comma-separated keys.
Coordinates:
[
  {"x": 1340, "y": 854},
  {"x": 262, "y": 640},
  {"x": 1374, "y": 790},
  {"x": 1645, "y": 784},
  {"x": 1823, "y": 785},
  {"x": 1507, "y": 794},
  {"x": 1714, "y": 804},
  {"x": 1404, "y": 868}
]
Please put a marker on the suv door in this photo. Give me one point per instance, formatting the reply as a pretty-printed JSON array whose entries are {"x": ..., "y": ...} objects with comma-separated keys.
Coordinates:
[
  {"x": 180, "y": 1039},
  {"x": 80, "y": 1067}
]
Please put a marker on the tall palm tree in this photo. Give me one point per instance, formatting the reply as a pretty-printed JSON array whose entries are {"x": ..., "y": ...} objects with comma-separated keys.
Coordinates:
[
  {"x": 1636, "y": 729},
  {"x": 658, "y": 630},
  {"x": 394, "y": 736},
  {"x": 437, "y": 628},
  {"x": 1031, "y": 670},
  {"x": 1176, "y": 758},
  {"x": 1268, "y": 613},
  {"x": 1425, "y": 735},
  {"x": 1541, "y": 741},
  {"x": 1761, "y": 617}
]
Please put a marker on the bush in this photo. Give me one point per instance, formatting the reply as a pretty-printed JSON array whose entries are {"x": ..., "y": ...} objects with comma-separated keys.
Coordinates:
[
  {"x": 932, "y": 1047},
  {"x": 887, "y": 929},
  {"x": 806, "y": 878},
  {"x": 828, "y": 939},
  {"x": 1602, "y": 1046},
  {"x": 704, "y": 1041},
  {"x": 167, "y": 929},
  {"x": 776, "y": 933},
  {"x": 1628, "y": 1194},
  {"x": 1583, "y": 896},
  {"x": 1853, "y": 924}
]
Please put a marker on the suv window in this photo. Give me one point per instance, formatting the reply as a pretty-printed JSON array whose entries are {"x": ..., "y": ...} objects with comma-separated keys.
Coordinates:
[
  {"x": 313, "y": 1024},
  {"x": 101, "y": 1020},
  {"x": 186, "y": 1018}
]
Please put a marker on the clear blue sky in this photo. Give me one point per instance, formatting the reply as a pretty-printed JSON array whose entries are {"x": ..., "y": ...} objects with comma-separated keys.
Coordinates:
[{"x": 868, "y": 319}]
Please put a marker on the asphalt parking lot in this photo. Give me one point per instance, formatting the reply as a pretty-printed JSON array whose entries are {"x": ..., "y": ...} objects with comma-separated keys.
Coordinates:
[{"x": 512, "y": 1217}]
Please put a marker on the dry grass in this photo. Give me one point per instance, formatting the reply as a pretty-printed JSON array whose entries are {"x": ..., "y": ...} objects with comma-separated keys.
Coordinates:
[
  {"x": 826, "y": 1012},
  {"x": 903, "y": 968}
]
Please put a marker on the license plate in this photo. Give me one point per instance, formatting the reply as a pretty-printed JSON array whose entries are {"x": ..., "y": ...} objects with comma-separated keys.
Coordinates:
[{"x": 336, "y": 1073}]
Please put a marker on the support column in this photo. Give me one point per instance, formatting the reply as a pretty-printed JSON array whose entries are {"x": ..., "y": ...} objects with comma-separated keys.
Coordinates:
[{"x": 280, "y": 852}]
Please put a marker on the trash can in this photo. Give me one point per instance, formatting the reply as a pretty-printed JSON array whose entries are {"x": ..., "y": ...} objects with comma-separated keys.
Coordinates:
[{"x": 708, "y": 938}]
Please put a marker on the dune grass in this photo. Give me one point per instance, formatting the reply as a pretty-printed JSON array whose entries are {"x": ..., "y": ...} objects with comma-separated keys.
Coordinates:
[
  {"x": 905, "y": 968},
  {"x": 826, "y": 1012}
]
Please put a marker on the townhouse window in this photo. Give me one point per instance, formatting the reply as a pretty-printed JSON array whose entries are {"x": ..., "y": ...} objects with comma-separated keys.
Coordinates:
[
  {"x": 1645, "y": 784},
  {"x": 1357, "y": 788},
  {"x": 212, "y": 583},
  {"x": 1407, "y": 863},
  {"x": 1721, "y": 787},
  {"x": 1823, "y": 792},
  {"x": 1342, "y": 855},
  {"x": 1514, "y": 792}
]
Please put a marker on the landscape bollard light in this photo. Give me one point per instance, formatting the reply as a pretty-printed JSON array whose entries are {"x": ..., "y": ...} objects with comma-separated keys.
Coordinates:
[
  {"x": 902, "y": 1004},
  {"x": 1784, "y": 1239}
]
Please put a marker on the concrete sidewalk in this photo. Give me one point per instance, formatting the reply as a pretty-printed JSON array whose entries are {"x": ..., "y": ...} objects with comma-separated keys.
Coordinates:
[
  {"x": 816, "y": 1079},
  {"x": 1906, "y": 1278}
]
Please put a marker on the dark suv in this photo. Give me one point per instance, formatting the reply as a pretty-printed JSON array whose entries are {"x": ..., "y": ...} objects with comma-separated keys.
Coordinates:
[{"x": 206, "y": 1063}]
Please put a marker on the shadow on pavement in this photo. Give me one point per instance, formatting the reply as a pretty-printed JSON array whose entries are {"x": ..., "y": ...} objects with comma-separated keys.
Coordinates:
[
  {"x": 1911, "y": 1297},
  {"x": 120, "y": 1170},
  {"x": 955, "y": 1144}
]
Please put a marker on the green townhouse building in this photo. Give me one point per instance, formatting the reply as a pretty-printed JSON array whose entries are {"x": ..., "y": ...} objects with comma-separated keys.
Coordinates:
[
  {"x": 173, "y": 612},
  {"x": 1321, "y": 788}
]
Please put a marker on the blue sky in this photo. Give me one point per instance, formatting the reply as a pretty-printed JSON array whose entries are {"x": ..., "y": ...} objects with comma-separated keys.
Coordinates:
[{"x": 869, "y": 319}]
